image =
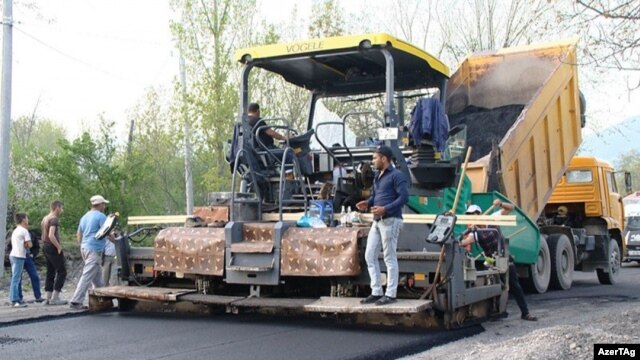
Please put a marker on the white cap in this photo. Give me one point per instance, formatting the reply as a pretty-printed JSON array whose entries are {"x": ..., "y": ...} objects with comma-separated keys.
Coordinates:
[
  {"x": 98, "y": 199},
  {"x": 473, "y": 208}
]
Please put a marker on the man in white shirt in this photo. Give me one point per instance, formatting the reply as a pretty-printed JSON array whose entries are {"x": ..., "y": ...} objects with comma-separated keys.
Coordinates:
[{"x": 20, "y": 242}]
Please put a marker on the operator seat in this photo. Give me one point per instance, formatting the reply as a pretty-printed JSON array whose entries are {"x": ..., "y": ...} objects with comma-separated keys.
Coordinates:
[
  {"x": 430, "y": 131},
  {"x": 263, "y": 153},
  {"x": 301, "y": 146}
]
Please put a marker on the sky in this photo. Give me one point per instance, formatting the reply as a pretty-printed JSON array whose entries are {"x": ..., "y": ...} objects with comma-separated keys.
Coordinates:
[{"x": 76, "y": 59}]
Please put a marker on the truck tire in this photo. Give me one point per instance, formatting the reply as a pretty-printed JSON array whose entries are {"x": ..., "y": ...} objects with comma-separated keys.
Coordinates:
[
  {"x": 562, "y": 261},
  {"x": 612, "y": 274},
  {"x": 539, "y": 272}
]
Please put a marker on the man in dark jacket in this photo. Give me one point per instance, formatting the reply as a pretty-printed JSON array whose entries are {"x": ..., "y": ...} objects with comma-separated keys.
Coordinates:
[{"x": 389, "y": 194}]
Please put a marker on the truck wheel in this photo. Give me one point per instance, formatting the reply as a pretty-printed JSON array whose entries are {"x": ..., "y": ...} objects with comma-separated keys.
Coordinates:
[
  {"x": 562, "y": 261},
  {"x": 540, "y": 271},
  {"x": 612, "y": 274}
]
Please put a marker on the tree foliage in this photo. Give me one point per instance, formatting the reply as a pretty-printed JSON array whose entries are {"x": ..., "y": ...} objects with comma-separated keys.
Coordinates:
[
  {"x": 29, "y": 189},
  {"x": 470, "y": 26},
  {"x": 610, "y": 32},
  {"x": 629, "y": 161},
  {"x": 327, "y": 19},
  {"x": 208, "y": 34},
  {"x": 84, "y": 167},
  {"x": 151, "y": 161}
]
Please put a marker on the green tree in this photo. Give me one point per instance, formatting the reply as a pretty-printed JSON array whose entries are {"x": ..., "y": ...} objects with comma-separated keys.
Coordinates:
[
  {"x": 629, "y": 161},
  {"x": 82, "y": 168},
  {"x": 30, "y": 190},
  {"x": 208, "y": 34},
  {"x": 327, "y": 19},
  {"x": 155, "y": 175}
]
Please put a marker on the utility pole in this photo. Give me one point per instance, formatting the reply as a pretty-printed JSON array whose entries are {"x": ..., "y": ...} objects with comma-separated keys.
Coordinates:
[
  {"x": 5, "y": 126},
  {"x": 187, "y": 144}
]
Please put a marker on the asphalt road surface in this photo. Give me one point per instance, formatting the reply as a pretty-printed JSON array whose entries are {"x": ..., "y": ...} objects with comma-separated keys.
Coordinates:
[
  {"x": 144, "y": 336},
  {"x": 169, "y": 336}
]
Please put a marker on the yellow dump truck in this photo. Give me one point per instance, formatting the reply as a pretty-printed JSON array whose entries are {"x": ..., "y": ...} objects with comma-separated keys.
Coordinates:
[{"x": 524, "y": 116}]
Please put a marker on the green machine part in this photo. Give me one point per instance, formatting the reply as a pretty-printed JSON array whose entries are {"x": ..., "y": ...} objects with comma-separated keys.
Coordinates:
[{"x": 524, "y": 238}]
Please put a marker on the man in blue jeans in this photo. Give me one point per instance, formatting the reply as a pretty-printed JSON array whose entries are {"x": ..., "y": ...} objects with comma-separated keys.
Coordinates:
[
  {"x": 20, "y": 244},
  {"x": 388, "y": 196},
  {"x": 30, "y": 268}
]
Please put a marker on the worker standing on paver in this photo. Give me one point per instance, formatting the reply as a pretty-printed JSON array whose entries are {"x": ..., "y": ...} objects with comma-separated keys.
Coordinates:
[{"x": 389, "y": 194}]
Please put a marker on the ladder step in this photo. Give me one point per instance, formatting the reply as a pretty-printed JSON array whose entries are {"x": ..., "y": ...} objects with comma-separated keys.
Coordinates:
[
  {"x": 293, "y": 201},
  {"x": 246, "y": 201},
  {"x": 249, "y": 268},
  {"x": 264, "y": 247}
]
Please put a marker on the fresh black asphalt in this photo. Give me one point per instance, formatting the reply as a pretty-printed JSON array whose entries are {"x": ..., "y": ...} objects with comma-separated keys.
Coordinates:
[{"x": 169, "y": 336}]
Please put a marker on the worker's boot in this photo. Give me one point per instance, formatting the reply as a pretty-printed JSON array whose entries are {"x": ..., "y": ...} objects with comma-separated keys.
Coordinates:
[{"x": 55, "y": 300}]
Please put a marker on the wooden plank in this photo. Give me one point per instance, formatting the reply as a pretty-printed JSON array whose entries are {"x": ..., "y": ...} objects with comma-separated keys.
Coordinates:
[
  {"x": 278, "y": 303},
  {"x": 500, "y": 220},
  {"x": 147, "y": 220},
  {"x": 140, "y": 292},
  {"x": 353, "y": 306},
  {"x": 210, "y": 299}
]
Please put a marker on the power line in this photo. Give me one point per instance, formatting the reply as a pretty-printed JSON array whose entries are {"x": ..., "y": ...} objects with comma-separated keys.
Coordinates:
[
  {"x": 71, "y": 57},
  {"x": 132, "y": 40}
]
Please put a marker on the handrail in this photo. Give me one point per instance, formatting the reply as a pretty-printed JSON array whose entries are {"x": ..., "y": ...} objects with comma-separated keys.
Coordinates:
[
  {"x": 253, "y": 180},
  {"x": 344, "y": 139},
  {"x": 344, "y": 143},
  {"x": 296, "y": 168},
  {"x": 257, "y": 128},
  {"x": 286, "y": 125}
]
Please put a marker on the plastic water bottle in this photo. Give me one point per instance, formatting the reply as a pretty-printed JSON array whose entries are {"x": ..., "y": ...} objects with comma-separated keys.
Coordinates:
[
  {"x": 348, "y": 215},
  {"x": 343, "y": 218},
  {"x": 314, "y": 210}
]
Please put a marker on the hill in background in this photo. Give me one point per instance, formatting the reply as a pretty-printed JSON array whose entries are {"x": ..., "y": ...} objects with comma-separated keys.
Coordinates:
[{"x": 609, "y": 143}]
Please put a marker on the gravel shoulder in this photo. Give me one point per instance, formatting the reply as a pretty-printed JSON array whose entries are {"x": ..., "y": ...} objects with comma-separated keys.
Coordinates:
[{"x": 568, "y": 325}]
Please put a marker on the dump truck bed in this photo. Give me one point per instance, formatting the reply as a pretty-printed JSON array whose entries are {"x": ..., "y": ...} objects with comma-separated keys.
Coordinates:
[{"x": 522, "y": 111}]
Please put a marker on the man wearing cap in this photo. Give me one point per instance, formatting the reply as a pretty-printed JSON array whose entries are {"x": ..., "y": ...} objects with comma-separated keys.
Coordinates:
[
  {"x": 389, "y": 194},
  {"x": 91, "y": 249},
  {"x": 487, "y": 238}
]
